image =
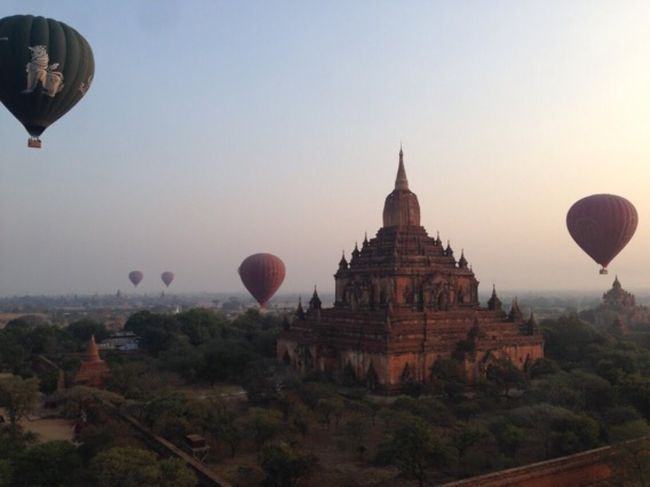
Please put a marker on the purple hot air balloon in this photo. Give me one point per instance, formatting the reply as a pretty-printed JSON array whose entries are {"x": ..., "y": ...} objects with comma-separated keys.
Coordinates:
[
  {"x": 262, "y": 274},
  {"x": 167, "y": 277},
  {"x": 602, "y": 224},
  {"x": 135, "y": 277}
]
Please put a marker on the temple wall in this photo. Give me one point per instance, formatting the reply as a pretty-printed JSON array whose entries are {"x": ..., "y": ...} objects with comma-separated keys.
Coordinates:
[{"x": 607, "y": 466}]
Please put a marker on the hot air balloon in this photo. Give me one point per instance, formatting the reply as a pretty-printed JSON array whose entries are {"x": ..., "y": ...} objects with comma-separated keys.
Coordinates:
[
  {"x": 46, "y": 67},
  {"x": 167, "y": 277},
  {"x": 262, "y": 274},
  {"x": 602, "y": 225},
  {"x": 135, "y": 277}
]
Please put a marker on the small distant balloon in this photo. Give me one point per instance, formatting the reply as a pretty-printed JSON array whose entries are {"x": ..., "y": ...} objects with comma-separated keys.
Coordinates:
[
  {"x": 262, "y": 274},
  {"x": 602, "y": 225},
  {"x": 135, "y": 277},
  {"x": 167, "y": 277},
  {"x": 46, "y": 67}
]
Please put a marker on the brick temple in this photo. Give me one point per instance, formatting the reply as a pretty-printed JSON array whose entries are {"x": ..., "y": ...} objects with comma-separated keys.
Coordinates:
[
  {"x": 93, "y": 371},
  {"x": 404, "y": 302}
]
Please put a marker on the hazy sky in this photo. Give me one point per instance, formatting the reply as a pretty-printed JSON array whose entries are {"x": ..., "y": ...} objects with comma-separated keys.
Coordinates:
[{"x": 217, "y": 129}]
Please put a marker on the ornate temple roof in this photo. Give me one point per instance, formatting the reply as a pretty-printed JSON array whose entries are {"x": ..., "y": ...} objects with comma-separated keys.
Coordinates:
[{"x": 401, "y": 207}]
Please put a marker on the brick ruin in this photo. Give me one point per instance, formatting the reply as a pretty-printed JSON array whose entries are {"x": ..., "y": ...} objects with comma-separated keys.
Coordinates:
[{"x": 403, "y": 302}]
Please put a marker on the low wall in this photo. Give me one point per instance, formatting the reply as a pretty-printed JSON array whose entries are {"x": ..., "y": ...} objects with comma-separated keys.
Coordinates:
[{"x": 586, "y": 469}]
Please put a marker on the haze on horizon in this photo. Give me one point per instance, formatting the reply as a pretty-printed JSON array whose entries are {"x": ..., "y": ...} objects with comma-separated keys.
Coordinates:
[{"x": 214, "y": 130}]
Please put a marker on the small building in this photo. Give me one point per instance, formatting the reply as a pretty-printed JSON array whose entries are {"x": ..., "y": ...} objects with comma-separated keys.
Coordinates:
[
  {"x": 197, "y": 446},
  {"x": 123, "y": 341},
  {"x": 93, "y": 371}
]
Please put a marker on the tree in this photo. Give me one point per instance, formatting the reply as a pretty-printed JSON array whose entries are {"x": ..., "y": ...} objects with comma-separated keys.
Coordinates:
[
  {"x": 262, "y": 425},
  {"x": 83, "y": 330},
  {"x": 51, "y": 464},
  {"x": 6, "y": 473},
  {"x": 412, "y": 448},
  {"x": 505, "y": 375},
  {"x": 201, "y": 325},
  {"x": 132, "y": 467},
  {"x": 156, "y": 331},
  {"x": 284, "y": 466},
  {"x": 449, "y": 377},
  {"x": 18, "y": 396},
  {"x": 174, "y": 473},
  {"x": 468, "y": 436},
  {"x": 222, "y": 425},
  {"x": 509, "y": 437},
  {"x": 260, "y": 381}
]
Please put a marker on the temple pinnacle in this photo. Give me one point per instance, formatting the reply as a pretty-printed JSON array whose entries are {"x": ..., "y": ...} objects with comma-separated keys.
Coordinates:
[{"x": 401, "y": 182}]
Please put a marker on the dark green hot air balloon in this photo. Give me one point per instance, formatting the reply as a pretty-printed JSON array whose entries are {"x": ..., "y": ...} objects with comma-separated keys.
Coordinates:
[{"x": 46, "y": 67}]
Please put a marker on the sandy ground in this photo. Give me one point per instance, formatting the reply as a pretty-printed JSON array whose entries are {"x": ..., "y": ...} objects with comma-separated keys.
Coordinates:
[{"x": 47, "y": 429}]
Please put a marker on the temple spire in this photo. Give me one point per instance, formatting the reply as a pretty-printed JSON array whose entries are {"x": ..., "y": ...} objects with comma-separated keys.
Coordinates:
[{"x": 401, "y": 183}]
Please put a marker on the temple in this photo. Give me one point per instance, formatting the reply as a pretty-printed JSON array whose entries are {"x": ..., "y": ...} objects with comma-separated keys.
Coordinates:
[
  {"x": 618, "y": 298},
  {"x": 402, "y": 303},
  {"x": 93, "y": 371},
  {"x": 618, "y": 311}
]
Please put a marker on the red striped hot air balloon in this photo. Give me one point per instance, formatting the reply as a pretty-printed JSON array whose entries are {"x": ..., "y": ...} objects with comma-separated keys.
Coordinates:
[
  {"x": 167, "y": 277},
  {"x": 262, "y": 274},
  {"x": 135, "y": 277},
  {"x": 602, "y": 225}
]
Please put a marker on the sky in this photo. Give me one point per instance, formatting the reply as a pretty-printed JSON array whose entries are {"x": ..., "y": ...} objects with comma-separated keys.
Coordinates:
[{"x": 218, "y": 129}]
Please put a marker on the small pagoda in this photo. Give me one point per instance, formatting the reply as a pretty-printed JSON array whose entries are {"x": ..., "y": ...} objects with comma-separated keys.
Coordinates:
[{"x": 93, "y": 371}]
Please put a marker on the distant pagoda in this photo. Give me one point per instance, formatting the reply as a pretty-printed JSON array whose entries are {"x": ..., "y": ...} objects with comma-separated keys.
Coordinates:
[
  {"x": 618, "y": 311},
  {"x": 618, "y": 298},
  {"x": 403, "y": 302},
  {"x": 93, "y": 371}
]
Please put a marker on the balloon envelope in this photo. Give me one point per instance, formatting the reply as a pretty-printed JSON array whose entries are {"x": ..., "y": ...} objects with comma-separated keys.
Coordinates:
[
  {"x": 46, "y": 67},
  {"x": 602, "y": 225},
  {"x": 135, "y": 277},
  {"x": 167, "y": 277},
  {"x": 262, "y": 274}
]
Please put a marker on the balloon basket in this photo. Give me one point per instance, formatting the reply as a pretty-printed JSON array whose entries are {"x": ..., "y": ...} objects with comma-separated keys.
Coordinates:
[
  {"x": 603, "y": 272},
  {"x": 34, "y": 143}
]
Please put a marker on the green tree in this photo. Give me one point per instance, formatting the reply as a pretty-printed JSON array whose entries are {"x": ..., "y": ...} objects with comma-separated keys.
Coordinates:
[
  {"x": 222, "y": 425},
  {"x": 262, "y": 425},
  {"x": 174, "y": 473},
  {"x": 448, "y": 376},
  {"x": 83, "y": 330},
  {"x": 509, "y": 436},
  {"x": 6, "y": 473},
  {"x": 18, "y": 396},
  {"x": 126, "y": 467},
  {"x": 156, "y": 331},
  {"x": 467, "y": 436},
  {"x": 284, "y": 466},
  {"x": 413, "y": 448},
  {"x": 201, "y": 325},
  {"x": 505, "y": 375},
  {"x": 51, "y": 464}
]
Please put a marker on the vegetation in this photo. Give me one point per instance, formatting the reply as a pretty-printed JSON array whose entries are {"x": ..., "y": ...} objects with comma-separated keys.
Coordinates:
[{"x": 590, "y": 390}]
